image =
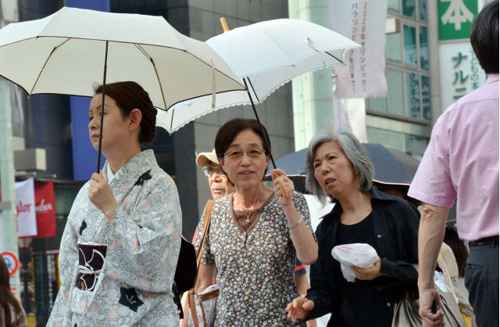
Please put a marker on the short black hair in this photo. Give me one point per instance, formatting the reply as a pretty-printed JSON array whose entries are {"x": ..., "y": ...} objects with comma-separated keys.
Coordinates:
[
  {"x": 484, "y": 37},
  {"x": 230, "y": 130},
  {"x": 129, "y": 95}
]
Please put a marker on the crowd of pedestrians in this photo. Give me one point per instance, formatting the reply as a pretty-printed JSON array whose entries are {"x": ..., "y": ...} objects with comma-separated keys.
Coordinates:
[{"x": 258, "y": 257}]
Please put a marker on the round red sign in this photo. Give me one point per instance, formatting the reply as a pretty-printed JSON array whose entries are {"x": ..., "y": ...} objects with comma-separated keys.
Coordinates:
[{"x": 11, "y": 261}]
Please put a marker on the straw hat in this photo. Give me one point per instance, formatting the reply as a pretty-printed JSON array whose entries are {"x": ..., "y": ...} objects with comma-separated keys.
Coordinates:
[{"x": 204, "y": 159}]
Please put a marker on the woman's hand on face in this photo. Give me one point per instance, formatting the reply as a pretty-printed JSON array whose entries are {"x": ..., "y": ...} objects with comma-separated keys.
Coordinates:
[
  {"x": 370, "y": 272},
  {"x": 300, "y": 308},
  {"x": 101, "y": 196},
  {"x": 283, "y": 187}
]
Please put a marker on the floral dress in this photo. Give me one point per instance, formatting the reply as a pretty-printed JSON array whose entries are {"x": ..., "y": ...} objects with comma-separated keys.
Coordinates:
[{"x": 254, "y": 268}]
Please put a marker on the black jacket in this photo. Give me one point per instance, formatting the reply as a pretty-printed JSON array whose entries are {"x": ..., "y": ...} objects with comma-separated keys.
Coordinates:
[{"x": 396, "y": 227}]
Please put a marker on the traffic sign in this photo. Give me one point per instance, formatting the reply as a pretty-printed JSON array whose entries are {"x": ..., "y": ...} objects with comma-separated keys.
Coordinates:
[{"x": 11, "y": 261}]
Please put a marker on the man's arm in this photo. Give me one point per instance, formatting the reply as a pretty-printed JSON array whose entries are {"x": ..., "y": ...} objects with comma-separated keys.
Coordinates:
[{"x": 430, "y": 237}]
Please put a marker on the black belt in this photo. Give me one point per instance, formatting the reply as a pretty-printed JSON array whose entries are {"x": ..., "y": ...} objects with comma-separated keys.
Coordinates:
[{"x": 492, "y": 240}]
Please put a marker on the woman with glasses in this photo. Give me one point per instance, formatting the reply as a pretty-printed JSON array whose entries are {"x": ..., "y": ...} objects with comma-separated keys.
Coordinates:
[
  {"x": 255, "y": 233},
  {"x": 217, "y": 180},
  {"x": 219, "y": 187},
  {"x": 218, "y": 184}
]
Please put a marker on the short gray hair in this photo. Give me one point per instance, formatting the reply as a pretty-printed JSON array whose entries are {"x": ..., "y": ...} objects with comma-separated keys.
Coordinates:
[{"x": 354, "y": 152}]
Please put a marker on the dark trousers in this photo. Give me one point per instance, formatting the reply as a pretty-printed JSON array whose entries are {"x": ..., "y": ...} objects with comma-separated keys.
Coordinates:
[{"x": 481, "y": 280}]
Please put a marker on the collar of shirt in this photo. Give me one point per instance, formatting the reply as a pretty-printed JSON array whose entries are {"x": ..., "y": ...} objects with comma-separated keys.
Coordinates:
[
  {"x": 492, "y": 78},
  {"x": 375, "y": 194},
  {"x": 109, "y": 173}
]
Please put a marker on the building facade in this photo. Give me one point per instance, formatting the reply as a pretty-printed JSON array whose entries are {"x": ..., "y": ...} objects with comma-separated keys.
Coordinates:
[
  {"x": 421, "y": 72},
  {"x": 402, "y": 120}
]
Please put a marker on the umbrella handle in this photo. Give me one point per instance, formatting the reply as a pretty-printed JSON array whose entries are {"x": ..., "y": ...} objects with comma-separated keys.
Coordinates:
[
  {"x": 99, "y": 155},
  {"x": 257, "y": 118}
]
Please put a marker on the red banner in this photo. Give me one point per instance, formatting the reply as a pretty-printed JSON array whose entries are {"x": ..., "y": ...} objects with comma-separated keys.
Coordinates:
[{"x": 45, "y": 209}]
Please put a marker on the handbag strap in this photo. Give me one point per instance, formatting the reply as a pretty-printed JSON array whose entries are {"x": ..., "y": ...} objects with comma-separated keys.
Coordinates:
[
  {"x": 192, "y": 308},
  {"x": 207, "y": 213},
  {"x": 207, "y": 218}
]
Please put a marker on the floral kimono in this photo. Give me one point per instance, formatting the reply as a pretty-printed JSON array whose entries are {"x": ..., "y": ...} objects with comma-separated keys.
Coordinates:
[{"x": 121, "y": 273}]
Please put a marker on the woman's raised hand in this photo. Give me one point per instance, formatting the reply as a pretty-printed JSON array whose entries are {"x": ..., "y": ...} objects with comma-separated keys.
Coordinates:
[
  {"x": 101, "y": 196},
  {"x": 283, "y": 187},
  {"x": 300, "y": 308}
]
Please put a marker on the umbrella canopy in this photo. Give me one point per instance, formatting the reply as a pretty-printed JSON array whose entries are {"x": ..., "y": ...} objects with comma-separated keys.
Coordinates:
[
  {"x": 392, "y": 167},
  {"x": 266, "y": 55},
  {"x": 66, "y": 53}
]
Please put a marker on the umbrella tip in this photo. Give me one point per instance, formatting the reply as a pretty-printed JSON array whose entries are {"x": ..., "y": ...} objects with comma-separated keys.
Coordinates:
[{"x": 223, "y": 24}]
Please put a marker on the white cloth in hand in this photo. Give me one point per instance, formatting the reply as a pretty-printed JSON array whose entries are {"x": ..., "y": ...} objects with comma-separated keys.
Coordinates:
[{"x": 355, "y": 254}]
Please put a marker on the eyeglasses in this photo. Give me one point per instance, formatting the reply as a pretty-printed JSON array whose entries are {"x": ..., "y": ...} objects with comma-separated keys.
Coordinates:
[
  {"x": 210, "y": 171},
  {"x": 237, "y": 154}
]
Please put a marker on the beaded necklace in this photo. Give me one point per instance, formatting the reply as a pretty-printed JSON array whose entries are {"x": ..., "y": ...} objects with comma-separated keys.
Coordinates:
[{"x": 246, "y": 218}]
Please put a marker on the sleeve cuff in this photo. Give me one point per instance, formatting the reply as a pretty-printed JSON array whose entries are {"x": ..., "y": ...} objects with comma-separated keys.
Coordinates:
[
  {"x": 386, "y": 267},
  {"x": 432, "y": 200}
]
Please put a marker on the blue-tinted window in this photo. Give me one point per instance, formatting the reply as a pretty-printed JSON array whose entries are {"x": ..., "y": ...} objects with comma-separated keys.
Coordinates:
[
  {"x": 424, "y": 48},
  {"x": 426, "y": 98},
  {"x": 412, "y": 89},
  {"x": 423, "y": 9},
  {"x": 410, "y": 45},
  {"x": 409, "y": 8}
]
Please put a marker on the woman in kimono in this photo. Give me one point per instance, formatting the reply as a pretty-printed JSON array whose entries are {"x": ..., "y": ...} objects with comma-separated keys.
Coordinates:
[{"x": 121, "y": 241}]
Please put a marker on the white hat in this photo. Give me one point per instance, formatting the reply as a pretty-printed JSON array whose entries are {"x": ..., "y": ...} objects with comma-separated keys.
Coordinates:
[{"x": 203, "y": 159}]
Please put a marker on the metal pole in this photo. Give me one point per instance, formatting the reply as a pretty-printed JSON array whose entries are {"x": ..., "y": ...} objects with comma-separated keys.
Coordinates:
[
  {"x": 432, "y": 19},
  {"x": 257, "y": 117},
  {"x": 8, "y": 221},
  {"x": 101, "y": 127}
]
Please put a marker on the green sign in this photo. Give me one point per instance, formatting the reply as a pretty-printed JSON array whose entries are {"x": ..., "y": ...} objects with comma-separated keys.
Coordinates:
[{"x": 455, "y": 18}]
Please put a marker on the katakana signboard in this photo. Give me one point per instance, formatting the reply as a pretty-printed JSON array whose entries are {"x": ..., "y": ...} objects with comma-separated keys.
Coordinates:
[
  {"x": 455, "y": 18},
  {"x": 460, "y": 72}
]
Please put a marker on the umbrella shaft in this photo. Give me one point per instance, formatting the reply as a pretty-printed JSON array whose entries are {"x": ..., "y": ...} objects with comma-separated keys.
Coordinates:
[
  {"x": 257, "y": 117},
  {"x": 102, "y": 107}
]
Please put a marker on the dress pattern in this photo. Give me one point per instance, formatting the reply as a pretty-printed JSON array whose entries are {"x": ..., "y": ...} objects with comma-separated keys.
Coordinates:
[
  {"x": 121, "y": 273},
  {"x": 254, "y": 268}
]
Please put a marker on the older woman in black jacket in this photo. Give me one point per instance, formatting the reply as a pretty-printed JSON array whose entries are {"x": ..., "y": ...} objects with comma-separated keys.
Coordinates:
[{"x": 339, "y": 168}]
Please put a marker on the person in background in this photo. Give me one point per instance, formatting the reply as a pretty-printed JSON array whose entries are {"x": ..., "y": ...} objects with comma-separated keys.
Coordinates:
[
  {"x": 121, "y": 242},
  {"x": 11, "y": 311},
  {"x": 339, "y": 168},
  {"x": 218, "y": 185},
  {"x": 461, "y": 164},
  {"x": 255, "y": 233}
]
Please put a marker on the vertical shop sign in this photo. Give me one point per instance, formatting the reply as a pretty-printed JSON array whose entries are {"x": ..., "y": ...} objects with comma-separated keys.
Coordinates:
[
  {"x": 25, "y": 208},
  {"x": 461, "y": 72},
  {"x": 45, "y": 209},
  {"x": 363, "y": 74}
]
